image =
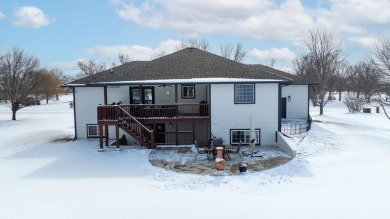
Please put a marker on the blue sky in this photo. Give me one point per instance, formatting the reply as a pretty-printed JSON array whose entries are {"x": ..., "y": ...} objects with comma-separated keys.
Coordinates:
[{"x": 60, "y": 33}]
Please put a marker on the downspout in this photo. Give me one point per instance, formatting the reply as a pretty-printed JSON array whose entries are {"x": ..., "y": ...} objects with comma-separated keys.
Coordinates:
[
  {"x": 308, "y": 102},
  {"x": 279, "y": 111},
  {"x": 309, "y": 120},
  {"x": 176, "y": 95},
  {"x": 209, "y": 111},
  {"x": 279, "y": 108},
  {"x": 74, "y": 114}
]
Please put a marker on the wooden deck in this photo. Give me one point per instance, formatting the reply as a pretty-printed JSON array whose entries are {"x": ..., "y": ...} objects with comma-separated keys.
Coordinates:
[
  {"x": 168, "y": 112},
  {"x": 135, "y": 119}
]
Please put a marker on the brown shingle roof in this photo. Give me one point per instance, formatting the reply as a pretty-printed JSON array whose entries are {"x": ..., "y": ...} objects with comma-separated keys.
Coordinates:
[
  {"x": 295, "y": 78},
  {"x": 188, "y": 63},
  {"x": 100, "y": 76}
]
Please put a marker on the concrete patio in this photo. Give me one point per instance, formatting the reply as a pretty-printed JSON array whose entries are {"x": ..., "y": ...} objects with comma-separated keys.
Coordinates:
[{"x": 185, "y": 159}]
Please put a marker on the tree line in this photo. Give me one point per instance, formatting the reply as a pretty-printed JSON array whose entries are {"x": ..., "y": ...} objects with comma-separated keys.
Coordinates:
[
  {"x": 323, "y": 62},
  {"x": 24, "y": 83},
  {"x": 231, "y": 51}
]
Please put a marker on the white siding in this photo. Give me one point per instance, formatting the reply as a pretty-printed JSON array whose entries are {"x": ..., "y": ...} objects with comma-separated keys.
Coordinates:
[
  {"x": 86, "y": 101},
  {"x": 297, "y": 108},
  {"x": 118, "y": 93},
  {"x": 226, "y": 115},
  {"x": 200, "y": 94},
  {"x": 161, "y": 97},
  {"x": 88, "y": 98}
]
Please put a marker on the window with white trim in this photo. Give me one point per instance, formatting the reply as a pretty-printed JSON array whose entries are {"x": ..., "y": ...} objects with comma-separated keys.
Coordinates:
[
  {"x": 244, "y": 93},
  {"x": 93, "y": 131},
  {"x": 188, "y": 91},
  {"x": 243, "y": 135}
]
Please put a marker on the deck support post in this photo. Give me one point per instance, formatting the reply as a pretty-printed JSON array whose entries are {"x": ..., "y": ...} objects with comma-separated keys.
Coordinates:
[
  {"x": 193, "y": 131},
  {"x": 117, "y": 148},
  {"x": 106, "y": 126},
  {"x": 177, "y": 132},
  {"x": 106, "y": 134},
  {"x": 101, "y": 138}
]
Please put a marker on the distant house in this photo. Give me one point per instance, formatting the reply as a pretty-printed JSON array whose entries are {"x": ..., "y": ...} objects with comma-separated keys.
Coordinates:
[{"x": 186, "y": 96}]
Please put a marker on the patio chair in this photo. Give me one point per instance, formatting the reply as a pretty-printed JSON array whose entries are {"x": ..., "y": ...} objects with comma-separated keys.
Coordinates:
[
  {"x": 216, "y": 142},
  {"x": 202, "y": 150},
  {"x": 237, "y": 151}
]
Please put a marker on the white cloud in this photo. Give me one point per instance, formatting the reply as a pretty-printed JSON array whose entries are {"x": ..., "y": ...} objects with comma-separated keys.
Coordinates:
[
  {"x": 136, "y": 52},
  {"x": 279, "y": 54},
  {"x": 116, "y": 2},
  {"x": 288, "y": 20},
  {"x": 366, "y": 42},
  {"x": 2, "y": 15},
  {"x": 68, "y": 67},
  {"x": 30, "y": 16},
  {"x": 356, "y": 20},
  {"x": 279, "y": 58},
  {"x": 261, "y": 19}
]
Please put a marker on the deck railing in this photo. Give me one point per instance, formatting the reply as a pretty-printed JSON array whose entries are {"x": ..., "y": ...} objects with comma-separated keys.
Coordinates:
[
  {"x": 116, "y": 115},
  {"x": 171, "y": 138},
  {"x": 129, "y": 117},
  {"x": 293, "y": 127},
  {"x": 152, "y": 111}
]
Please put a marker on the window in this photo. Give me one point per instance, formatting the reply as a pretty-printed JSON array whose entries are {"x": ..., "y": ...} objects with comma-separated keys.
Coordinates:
[
  {"x": 188, "y": 91},
  {"x": 244, "y": 93},
  {"x": 244, "y": 135},
  {"x": 93, "y": 131},
  {"x": 147, "y": 98}
]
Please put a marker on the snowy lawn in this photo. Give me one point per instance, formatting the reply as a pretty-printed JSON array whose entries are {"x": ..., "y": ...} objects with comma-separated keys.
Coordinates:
[{"x": 342, "y": 170}]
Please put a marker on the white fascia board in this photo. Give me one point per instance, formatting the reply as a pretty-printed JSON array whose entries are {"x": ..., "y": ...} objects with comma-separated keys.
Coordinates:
[{"x": 194, "y": 80}]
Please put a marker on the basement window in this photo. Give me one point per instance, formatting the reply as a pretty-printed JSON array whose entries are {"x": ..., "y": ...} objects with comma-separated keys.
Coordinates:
[
  {"x": 243, "y": 135},
  {"x": 93, "y": 131}
]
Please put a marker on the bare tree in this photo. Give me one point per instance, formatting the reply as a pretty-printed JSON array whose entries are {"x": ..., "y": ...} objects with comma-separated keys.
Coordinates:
[
  {"x": 233, "y": 52},
  {"x": 123, "y": 58},
  {"x": 303, "y": 68},
  {"x": 270, "y": 62},
  {"x": 369, "y": 78},
  {"x": 17, "y": 78},
  {"x": 380, "y": 56},
  {"x": 157, "y": 54},
  {"x": 321, "y": 60},
  {"x": 341, "y": 82},
  {"x": 201, "y": 44},
  {"x": 46, "y": 88},
  {"x": 58, "y": 79},
  {"x": 91, "y": 67}
]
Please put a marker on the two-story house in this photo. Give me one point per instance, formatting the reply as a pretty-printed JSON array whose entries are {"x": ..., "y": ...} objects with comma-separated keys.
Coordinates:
[{"x": 186, "y": 96}]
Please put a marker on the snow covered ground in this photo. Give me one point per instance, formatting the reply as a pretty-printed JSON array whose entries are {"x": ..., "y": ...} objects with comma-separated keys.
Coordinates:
[{"x": 342, "y": 170}]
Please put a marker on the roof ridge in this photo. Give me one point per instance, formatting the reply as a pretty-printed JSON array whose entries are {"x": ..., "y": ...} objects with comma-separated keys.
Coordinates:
[{"x": 273, "y": 72}]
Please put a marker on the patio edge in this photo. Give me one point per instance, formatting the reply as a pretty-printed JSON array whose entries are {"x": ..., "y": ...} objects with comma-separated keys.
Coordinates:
[{"x": 284, "y": 145}]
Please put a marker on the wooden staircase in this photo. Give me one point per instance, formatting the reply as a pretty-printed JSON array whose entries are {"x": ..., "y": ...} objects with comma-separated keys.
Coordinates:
[{"x": 116, "y": 115}]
